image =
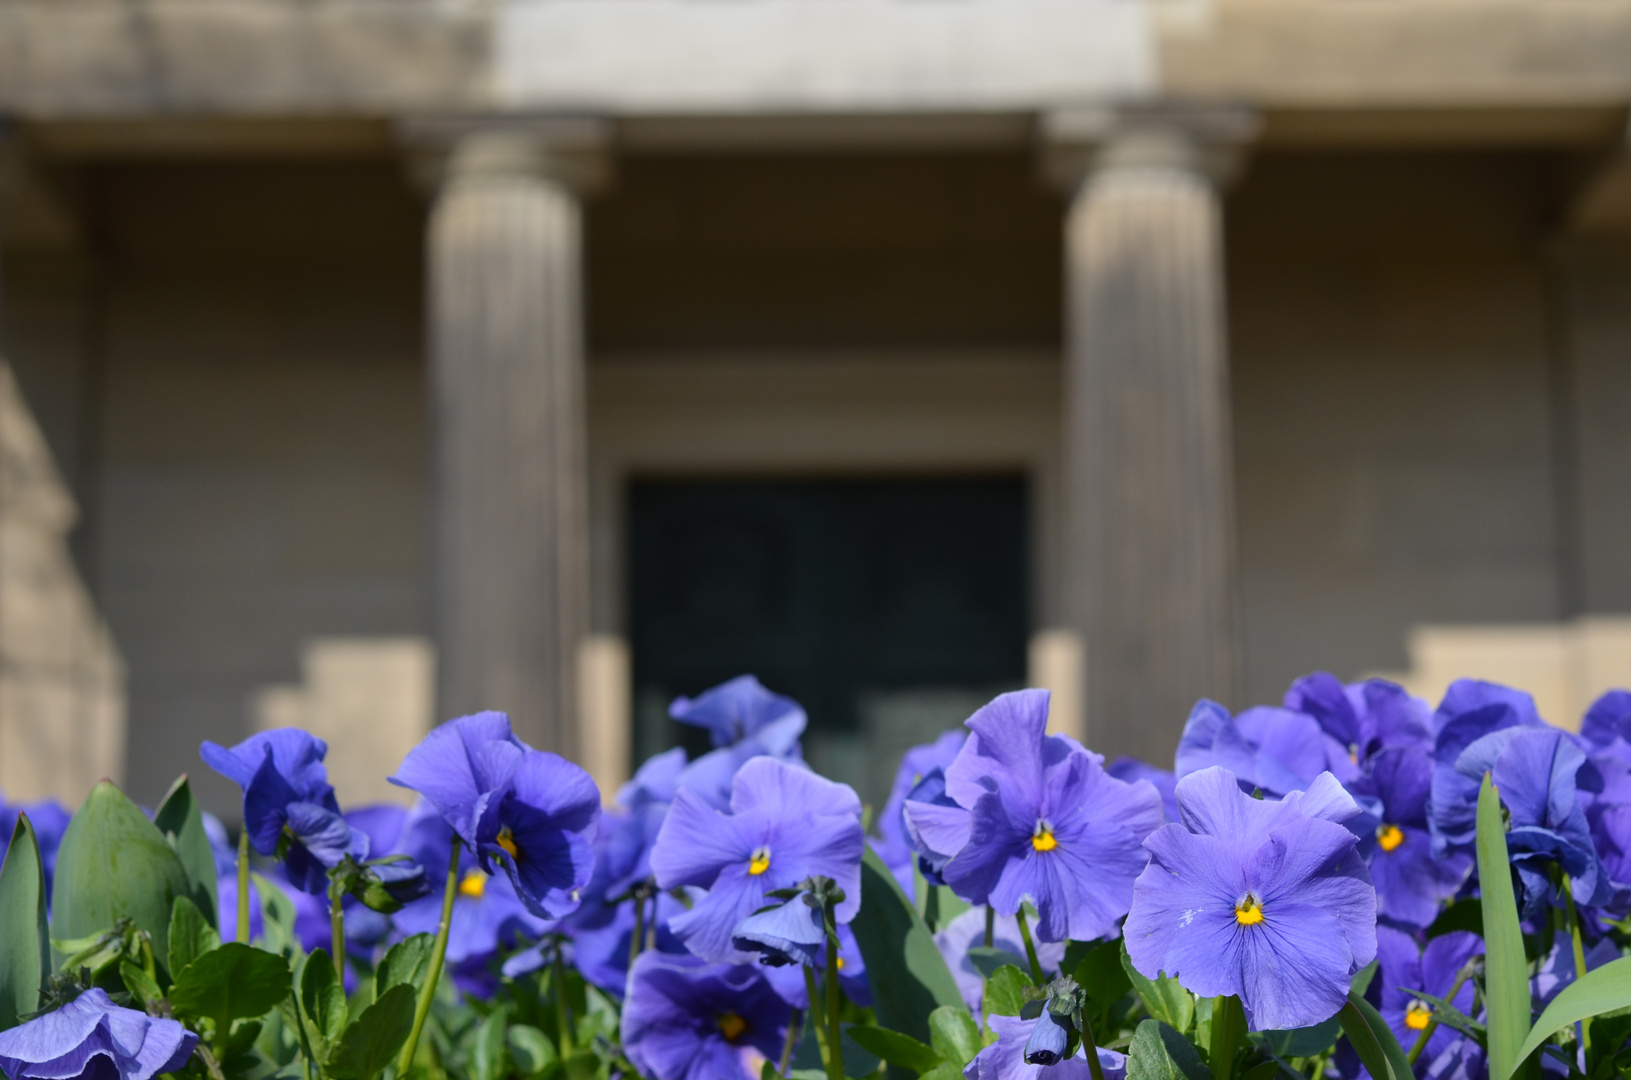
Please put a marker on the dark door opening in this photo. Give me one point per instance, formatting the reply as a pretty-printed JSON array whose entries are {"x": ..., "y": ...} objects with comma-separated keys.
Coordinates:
[{"x": 890, "y": 609}]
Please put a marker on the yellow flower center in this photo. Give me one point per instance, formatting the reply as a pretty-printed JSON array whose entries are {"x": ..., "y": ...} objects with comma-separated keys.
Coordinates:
[
  {"x": 1042, "y": 838},
  {"x": 1249, "y": 912},
  {"x": 731, "y": 1026},
  {"x": 840, "y": 963},
  {"x": 1418, "y": 1015},
  {"x": 760, "y": 861},
  {"x": 1389, "y": 837},
  {"x": 474, "y": 885},
  {"x": 506, "y": 840}
]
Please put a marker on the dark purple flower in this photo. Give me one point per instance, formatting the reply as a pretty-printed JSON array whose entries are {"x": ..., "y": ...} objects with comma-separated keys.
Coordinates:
[
  {"x": 601, "y": 946},
  {"x": 91, "y": 1038},
  {"x": 540, "y": 833},
  {"x": 1047, "y": 823},
  {"x": 785, "y": 824},
  {"x": 289, "y": 806},
  {"x": 687, "y": 1019},
  {"x": 895, "y": 846},
  {"x": 1005, "y": 1058},
  {"x": 1470, "y": 711},
  {"x": 1411, "y": 882},
  {"x": 1133, "y": 769},
  {"x": 1608, "y": 815},
  {"x": 740, "y": 709},
  {"x": 967, "y": 931},
  {"x": 1263, "y": 899},
  {"x": 1275, "y": 750},
  {"x": 464, "y": 768},
  {"x": 1364, "y": 718},
  {"x": 1406, "y": 971},
  {"x": 936, "y": 826},
  {"x": 1607, "y": 725}
]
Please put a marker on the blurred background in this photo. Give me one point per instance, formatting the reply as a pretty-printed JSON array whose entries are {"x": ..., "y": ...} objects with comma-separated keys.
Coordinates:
[{"x": 376, "y": 361}]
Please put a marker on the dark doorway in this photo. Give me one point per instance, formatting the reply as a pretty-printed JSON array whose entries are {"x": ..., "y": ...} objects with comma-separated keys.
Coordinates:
[{"x": 890, "y": 609}]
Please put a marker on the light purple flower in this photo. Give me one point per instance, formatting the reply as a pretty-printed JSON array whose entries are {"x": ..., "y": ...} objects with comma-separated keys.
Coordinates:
[
  {"x": 967, "y": 931},
  {"x": 1363, "y": 717},
  {"x": 1470, "y": 711},
  {"x": 785, "y": 824},
  {"x": 894, "y": 845},
  {"x": 1275, "y": 750},
  {"x": 742, "y": 708},
  {"x": 1005, "y": 1058},
  {"x": 788, "y": 981},
  {"x": 687, "y": 1019},
  {"x": 1133, "y": 769},
  {"x": 1607, "y": 725},
  {"x": 1047, "y": 823},
  {"x": 464, "y": 767},
  {"x": 1411, "y": 881},
  {"x": 1267, "y": 900},
  {"x": 91, "y": 1038},
  {"x": 1405, "y": 972}
]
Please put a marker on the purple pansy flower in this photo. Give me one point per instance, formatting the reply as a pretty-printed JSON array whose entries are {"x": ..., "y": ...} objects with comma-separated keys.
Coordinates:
[
  {"x": 1556, "y": 972},
  {"x": 894, "y": 845},
  {"x": 1470, "y": 711},
  {"x": 1275, "y": 750},
  {"x": 1046, "y": 823},
  {"x": 1607, "y": 725},
  {"x": 463, "y": 768},
  {"x": 967, "y": 931},
  {"x": 745, "y": 721},
  {"x": 785, "y": 824},
  {"x": 287, "y": 797},
  {"x": 936, "y": 826},
  {"x": 91, "y": 1038},
  {"x": 1364, "y": 718},
  {"x": 1266, "y": 900},
  {"x": 788, "y": 980},
  {"x": 1406, "y": 971},
  {"x": 1165, "y": 781},
  {"x": 657, "y": 780},
  {"x": 687, "y": 1019},
  {"x": 601, "y": 945},
  {"x": 791, "y": 933},
  {"x": 1411, "y": 882},
  {"x": 1005, "y": 1058}
]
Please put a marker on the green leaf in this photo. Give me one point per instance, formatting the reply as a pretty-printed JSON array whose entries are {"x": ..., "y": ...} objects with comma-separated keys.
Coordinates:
[
  {"x": 1302, "y": 1042},
  {"x": 234, "y": 982},
  {"x": 947, "y": 1071},
  {"x": 1506, "y": 969},
  {"x": 530, "y": 1049},
  {"x": 1099, "y": 972},
  {"x": 322, "y": 1003},
  {"x": 909, "y": 977},
  {"x": 1467, "y": 915},
  {"x": 1159, "y": 1052},
  {"x": 1451, "y": 1017},
  {"x": 953, "y": 1033},
  {"x": 1163, "y": 997},
  {"x": 113, "y": 864},
  {"x": 989, "y": 961},
  {"x": 139, "y": 983},
  {"x": 372, "y": 1042},
  {"x": 25, "y": 948},
  {"x": 1604, "y": 990},
  {"x": 182, "y": 824},
  {"x": 277, "y": 918},
  {"x": 489, "y": 1058},
  {"x": 1005, "y": 991},
  {"x": 408, "y": 961},
  {"x": 190, "y": 935},
  {"x": 1373, "y": 1040},
  {"x": 895, "y": 1048}
]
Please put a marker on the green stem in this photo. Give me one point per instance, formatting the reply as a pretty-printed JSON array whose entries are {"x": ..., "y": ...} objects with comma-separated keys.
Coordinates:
[
  {"x": 835, "y": 1038},
  {"x": 651, "y": 925},
  {"x": 336, "y": 928},
  {"x": 793, "y": 1025},
  {"x": 563, "y": 1019},
  {"x": 816, "y": 1023},
  {"x": 438, "y": 953},
  {"x": 1030, "y": 948},
  {"x": 1089, "y": 1047},
  {"x": 990, "y": 925},
  {"x": 1420, "y": 1044},
  {"x": 243, "y": 885},
  {"x": 1579, "y": 952},
  {"x": 639, "y": 927},
  {"x": 920, "y": 892},
  {"x": 1228, "y": 1025}
]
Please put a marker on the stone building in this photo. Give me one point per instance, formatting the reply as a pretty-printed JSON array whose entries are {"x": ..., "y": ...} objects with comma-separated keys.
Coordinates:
[{"x": 900, "y": 351}]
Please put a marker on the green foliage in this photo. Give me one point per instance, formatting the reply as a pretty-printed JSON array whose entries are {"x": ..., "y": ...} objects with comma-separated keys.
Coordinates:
[
  {"x": 25, "y": 948},
  {"x": 1159, "y": 1052},
  {"x": 115, "y": 864},
  {"x": 408, "y": 961},
  {"x": 1163, "y": 997},
  {"x": 232, "y": 982},
  {"x": 1006, "y": 992},
  {"x": 1604, "y": 990},
  {"x": 909, "y": 977},
  {"x": 368, "y": 1045},
  {"x": 190, "y": 935},
  {"x": 1506, "y": 968},
  {"x": 1373, "y": 1040},
  {"x": 954, "y": 1035},
  {"x": 322, "y": 1003},
  {"x": 896, "y": 1049},
  {"x": 1302, "y": 1042},
  {"x": 531, "y": 1052},
  {"x": 182, "y": 824}
]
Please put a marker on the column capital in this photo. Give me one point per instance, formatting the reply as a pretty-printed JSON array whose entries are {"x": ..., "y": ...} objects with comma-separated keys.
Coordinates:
[
  {"x": 574, "y": 151},
  {"x": 1210, "y": 140}
]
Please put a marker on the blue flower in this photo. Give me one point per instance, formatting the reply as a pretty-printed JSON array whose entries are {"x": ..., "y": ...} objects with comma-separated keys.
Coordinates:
[
  {"x": 1047, "y": 823},
  {"x": 289, "y": 807},
  {"x": 1133, "y": 769},
  {"x": 936, "y": 826},
  {"x": 1404, "y": 972},
  {"x": 1364, "y": 718},
  {"x": 788, "y": 980},
  {"x": 1556, "y": 972},
  {"x": 601, "y": 944},
  {"x": 656, "y": 781},
  {"x": 895, "y": 846},
  {"x": 791, "y": 932},
  {"x": 740, "y": 709},
  {"x": 464, "y": 768},
  {"x": 1276, "y": 750},
  {"x": 1607, "y": 725},
  {"x": 1266, "y": 900},
  {"x": 1005, "y": 1058},
  {"x": 1411, "y": 881},
  {"x": 687, "y": 1019},
  {"x": 967, "y": 931},
  {"x": 1470, "y": 710},
  {"x": 785, "y": 824},
  {"x": 91, "y": 1038}
]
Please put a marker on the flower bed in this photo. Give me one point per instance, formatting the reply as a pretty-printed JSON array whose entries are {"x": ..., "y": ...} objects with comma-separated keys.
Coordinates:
[{"x": 1350, "y": 883}]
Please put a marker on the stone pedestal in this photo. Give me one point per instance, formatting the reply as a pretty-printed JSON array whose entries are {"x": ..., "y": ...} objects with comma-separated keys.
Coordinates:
[
  {"x": 506, "y": 343},
  {"x": 1147, "y": 434}
]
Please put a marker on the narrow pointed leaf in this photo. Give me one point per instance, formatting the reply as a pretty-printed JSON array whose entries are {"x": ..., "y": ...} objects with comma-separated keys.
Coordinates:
[
  {"x": 182, "y": 824},
  {"x": 895, "y": 1048},
  {"x": 114, "y": 864},
  {"x": 322, "y": 1000},
  {"x": 1373, "y": 1040},
  {"x": 908, "y": 976},
  {"x": 25, "y": 948},
  {"x": 1506, "y": 969},
  {"x": 1604, "y": 990}
]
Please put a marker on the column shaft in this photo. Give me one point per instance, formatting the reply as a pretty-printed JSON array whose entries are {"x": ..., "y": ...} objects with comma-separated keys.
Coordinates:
[
  {"x": 1148, "y": 440},
  {"x": 507, "y": 366}
]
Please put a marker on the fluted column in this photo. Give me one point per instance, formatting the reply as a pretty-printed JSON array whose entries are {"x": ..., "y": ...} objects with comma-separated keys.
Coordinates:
[
  {"x": 506, "y": 311},
  {"x": 1147, "y": 433}
]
